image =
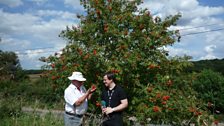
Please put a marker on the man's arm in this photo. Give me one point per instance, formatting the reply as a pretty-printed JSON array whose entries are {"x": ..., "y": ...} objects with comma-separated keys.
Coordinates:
[
  {"x": 122, "y": 106},
  {"x": 88, "y": 95},
  {"x": 83, "y": 98}
]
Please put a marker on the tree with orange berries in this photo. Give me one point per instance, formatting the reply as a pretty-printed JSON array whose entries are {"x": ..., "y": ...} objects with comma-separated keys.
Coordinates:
[{"x": 117, "y": 36}]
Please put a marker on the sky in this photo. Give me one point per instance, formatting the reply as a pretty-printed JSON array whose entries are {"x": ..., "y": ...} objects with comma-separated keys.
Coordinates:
[{"x": 30, "y": 28}]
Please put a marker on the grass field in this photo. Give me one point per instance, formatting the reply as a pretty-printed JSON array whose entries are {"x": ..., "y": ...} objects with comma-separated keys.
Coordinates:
[{"x": 34, "y": 77}]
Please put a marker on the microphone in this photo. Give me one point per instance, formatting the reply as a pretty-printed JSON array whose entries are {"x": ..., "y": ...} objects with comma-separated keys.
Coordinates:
[{"x": 103, "y": 104}]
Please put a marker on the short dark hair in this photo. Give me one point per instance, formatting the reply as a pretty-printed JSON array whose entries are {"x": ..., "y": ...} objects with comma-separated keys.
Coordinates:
[{"x": 111, "y": 76}]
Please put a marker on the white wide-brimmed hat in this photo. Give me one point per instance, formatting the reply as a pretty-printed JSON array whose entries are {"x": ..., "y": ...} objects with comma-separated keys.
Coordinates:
[{"x": 77, "y": 76}]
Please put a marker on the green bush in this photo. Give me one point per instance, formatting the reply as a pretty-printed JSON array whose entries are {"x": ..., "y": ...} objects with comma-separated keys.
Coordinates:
[
  {"x": 210, "y": 88},
  {"x": 5, "y": 84},
  {"x": 39, "y": 91},
  {"x": 9, "y": 108}
]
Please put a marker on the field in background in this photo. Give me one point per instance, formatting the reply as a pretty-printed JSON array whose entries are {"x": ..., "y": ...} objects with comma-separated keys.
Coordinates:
[{"x": 34, "y": 77}]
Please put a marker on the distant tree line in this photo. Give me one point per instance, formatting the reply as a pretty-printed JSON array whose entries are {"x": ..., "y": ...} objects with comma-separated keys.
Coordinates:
[
  {"x": 216, "y": 65},
  {"x": 32, "y": 71}
]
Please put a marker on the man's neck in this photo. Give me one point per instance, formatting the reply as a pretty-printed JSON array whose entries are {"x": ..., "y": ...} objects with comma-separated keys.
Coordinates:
[
  {"x": 112, "y": 85},
  {"x": 77, "y": 85}
]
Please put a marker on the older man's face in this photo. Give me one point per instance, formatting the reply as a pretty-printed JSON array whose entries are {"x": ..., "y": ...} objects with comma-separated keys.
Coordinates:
[{"x": 77, "y": 82}]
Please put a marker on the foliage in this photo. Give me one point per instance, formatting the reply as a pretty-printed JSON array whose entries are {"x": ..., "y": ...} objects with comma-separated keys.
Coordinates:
[
  {"x": 210, "y": 88},
  {"x": 39, "y": 92},
  {"x": 10, "y": 67},
  {"x": 8, "y": 108},
  {"x": 118, "y": 36},
  {"x": 216, "y": 65},
  {"x": 32, "y": 120},
  {"x": 15, "y": 95}
]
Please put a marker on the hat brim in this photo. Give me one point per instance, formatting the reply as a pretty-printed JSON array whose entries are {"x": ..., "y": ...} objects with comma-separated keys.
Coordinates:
[{"x": 78, "y": 79}]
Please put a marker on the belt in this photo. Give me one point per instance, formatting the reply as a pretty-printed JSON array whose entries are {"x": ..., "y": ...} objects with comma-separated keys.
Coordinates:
[{"x": 73, "y": 114}]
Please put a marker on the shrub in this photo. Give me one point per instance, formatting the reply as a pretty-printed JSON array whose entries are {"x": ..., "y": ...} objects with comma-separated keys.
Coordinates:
[
  {"x": 210, "y": 88},
  {"x": 9, "y": 108}
]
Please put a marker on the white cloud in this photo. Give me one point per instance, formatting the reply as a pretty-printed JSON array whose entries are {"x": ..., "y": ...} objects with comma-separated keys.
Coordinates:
[
  {"x": 215, "y": 37},
  {"x": 190, "y": 9},
  {"x": 39, "y": 2},
  {"x": 74, "y": 3},
  {"x": 208, "y": 57},
  {"x": 56, "y": 14},
  {"x": 152, "y": 5},
  {"x": 30, "y": 31},
  {"x": 33, "y": 53},
  {"x": 169, "y": 7},
  {"x": 173, "y": 51},
  {"x": 30, "y": 58},
  {"x": 49, "y": 30},
  {"x": 210, "y": 48},
  {"x": 12, "y": 44},
  {"x": 193, "y": 15},
  {"x": 186, "y": 4},
  {"x": 202, "y": 11},
  {"x": 16, "y": 22},
  {"x": 11, "y": 3},
  {"x": 36, "y": 26},
  {"x": 30, "y": 63},
  {"x": 31, "y": 23}
]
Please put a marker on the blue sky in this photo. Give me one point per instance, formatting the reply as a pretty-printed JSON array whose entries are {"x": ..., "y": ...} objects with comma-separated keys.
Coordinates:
[{"x": 31, "y": 27}]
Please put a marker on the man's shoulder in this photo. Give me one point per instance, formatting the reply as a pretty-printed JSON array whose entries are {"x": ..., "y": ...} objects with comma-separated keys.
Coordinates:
[
  {"x": 70, "y": 87},
  {"x": 119, "y": 86}
]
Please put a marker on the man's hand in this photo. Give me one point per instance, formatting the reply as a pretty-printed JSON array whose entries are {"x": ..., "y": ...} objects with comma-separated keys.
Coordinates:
[
  {"x": 93, "y": 88},
  {"x": 122, "y": 106},
  {"x": 108, "y": 110}
]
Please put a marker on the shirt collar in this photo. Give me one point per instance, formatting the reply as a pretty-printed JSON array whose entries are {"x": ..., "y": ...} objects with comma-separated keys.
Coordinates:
[{"x": 74, "y": 87}]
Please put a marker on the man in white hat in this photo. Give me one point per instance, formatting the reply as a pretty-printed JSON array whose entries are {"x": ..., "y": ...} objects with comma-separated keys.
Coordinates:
[{"x": 76, "y": 97}]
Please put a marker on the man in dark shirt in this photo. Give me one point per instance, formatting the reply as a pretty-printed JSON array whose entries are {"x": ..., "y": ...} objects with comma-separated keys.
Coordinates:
[{"x": 115, "y": 99}]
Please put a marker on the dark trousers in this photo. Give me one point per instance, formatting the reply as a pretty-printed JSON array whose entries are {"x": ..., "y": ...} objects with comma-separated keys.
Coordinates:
[{"x": 114, "y": 120}]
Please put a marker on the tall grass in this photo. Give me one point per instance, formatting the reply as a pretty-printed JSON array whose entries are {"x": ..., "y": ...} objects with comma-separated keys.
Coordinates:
[
  {"x": 32, "y": 119},
  {"x": 11, "y": 114},
  {"x": 15, "y": 95}
]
